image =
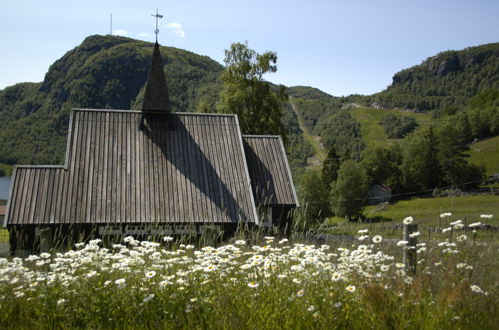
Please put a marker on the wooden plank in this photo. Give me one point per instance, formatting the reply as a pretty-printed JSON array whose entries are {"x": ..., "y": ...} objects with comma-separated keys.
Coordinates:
[
  {"x": 13, "y": 205},
  {"x": 106, "y": 180},
  {"x": 69, "y": 200},
  {"x": 36, "y": 197},
  {"x": 186, "y": 168},
  {"x": 118, "y": 147},
  {"x": 113, "y": 170}
]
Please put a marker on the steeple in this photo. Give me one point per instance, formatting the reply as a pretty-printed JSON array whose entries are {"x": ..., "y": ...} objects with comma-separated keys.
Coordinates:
[{"x": 156, "y": 96}]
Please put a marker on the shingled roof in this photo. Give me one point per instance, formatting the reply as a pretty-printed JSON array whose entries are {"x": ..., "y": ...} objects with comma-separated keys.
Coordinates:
[
  {"x": 269, "y": 171},
  {"x": 181, "y": 168}
]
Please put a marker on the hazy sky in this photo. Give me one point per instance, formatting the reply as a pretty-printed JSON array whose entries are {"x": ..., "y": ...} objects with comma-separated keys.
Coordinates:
[{"x": 340, "y": 47}]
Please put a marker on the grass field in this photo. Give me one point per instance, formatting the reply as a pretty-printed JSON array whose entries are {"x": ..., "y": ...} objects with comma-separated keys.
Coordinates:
[
  {"x": 426, "y": 213},
  {"x": 369, "y": 119},
  {"x": 486, "y": 153}
]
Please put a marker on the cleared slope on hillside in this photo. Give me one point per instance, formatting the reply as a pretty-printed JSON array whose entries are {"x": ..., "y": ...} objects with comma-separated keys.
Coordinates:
[
  {"x": 372, "y": 132},
  {"x": 486, "y": 153}
]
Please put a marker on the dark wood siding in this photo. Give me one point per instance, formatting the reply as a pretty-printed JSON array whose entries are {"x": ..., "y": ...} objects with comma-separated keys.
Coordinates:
[
  {"x": 178, "y": 168},
  {"x": 269, "y": 171}
]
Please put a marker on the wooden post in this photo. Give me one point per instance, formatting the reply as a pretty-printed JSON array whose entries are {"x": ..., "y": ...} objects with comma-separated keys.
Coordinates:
[
  {"x": 45, "y": 239},
  {"x": 410, "y": 255}
]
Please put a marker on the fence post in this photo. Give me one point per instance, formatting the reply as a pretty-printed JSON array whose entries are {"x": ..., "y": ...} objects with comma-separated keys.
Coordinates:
[{"x": 410, "y": 256}]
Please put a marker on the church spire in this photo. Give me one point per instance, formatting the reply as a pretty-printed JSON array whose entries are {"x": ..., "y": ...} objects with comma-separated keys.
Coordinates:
[{"x": 156, "y": 96}]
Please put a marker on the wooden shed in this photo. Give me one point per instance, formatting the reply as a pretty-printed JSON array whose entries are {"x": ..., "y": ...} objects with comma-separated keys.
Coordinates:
[{"x": 152, "y": 171}]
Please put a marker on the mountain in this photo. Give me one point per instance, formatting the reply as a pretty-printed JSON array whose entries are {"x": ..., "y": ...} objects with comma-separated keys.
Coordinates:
[
  {"x": 102, "y": 72},
  {"x": 447, "y": 80}
]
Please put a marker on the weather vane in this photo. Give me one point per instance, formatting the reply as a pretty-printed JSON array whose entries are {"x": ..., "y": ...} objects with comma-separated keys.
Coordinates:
[{"x": 157, "y": 17}]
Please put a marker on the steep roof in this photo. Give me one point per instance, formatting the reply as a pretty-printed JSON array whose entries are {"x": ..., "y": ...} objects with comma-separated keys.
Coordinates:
[
  {"x": 269, "y": 170},
  {"x": 179, "y": 168},
  {"x": 156, "y": 96}
]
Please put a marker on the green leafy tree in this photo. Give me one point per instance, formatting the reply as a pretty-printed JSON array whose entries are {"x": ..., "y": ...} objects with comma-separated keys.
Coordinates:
[
  {"x": 314, "y": 197},
  {"x": 330, "y": 167},
  {"x": 452, "y": 158},
  {"x": 245, "y": 93},
  {"x": 349, "y": 190},
  {"x": 420, "y": 167},
  {"x": 382, "y": 166}
]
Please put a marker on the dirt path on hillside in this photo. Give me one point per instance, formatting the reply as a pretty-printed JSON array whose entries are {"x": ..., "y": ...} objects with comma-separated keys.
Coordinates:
[{"x": 318, "y": 158}]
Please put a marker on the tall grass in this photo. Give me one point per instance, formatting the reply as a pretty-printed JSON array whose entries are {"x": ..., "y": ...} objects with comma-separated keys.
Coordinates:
[{"x": 273, "y": 284}]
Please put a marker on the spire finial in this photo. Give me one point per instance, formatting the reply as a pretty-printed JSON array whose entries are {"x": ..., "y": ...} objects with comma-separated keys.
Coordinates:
[{"x": 158, "y": 16}]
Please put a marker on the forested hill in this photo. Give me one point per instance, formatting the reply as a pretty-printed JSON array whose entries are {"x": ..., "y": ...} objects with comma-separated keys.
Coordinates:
[
  {"x": 103, "y": 72},
  {"x": 447, "y": 80}
]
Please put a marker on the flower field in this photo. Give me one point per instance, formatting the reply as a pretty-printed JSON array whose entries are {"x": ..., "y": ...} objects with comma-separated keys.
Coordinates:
[{"x": 274, "y": 284}]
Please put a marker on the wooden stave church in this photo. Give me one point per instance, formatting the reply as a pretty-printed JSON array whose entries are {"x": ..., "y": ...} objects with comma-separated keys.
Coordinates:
[{"x": 152, "y": 171}]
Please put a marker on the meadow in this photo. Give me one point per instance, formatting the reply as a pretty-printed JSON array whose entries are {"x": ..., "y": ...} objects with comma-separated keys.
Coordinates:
[
  {"x": 486, "y": 153},
  {"x": 372, "y": 131},
  {"x": 254, "y": 282},
  {"x": 385, "y": 220}
]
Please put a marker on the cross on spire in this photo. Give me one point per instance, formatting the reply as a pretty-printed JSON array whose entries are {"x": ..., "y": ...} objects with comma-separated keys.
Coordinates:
[{"x": 157, "y": 17}]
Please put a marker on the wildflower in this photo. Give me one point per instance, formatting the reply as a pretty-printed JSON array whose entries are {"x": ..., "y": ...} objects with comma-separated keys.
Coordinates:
[
  {"x": 462, "y": 238},
  {"x": 377, "y": 239},
  {"x": 311, "y": 308},
  {"x": 476, "y": 289},
  {"x": 408, "y": 220},
  {"x": 399, "y": 265},
  {"x": 445, "y": 214},
  {"x": 402, "y": 243},
  {"x": 414, "y": 234},
  {"x": 45, "y": 255},
  {"x": 361, "y": 238},
  {"x": 91, "y": 274},
  {"x": 351, "y": 288},
  {"x": 421, "y": 249},
  {"x": 61, "y": 302},
  {"x": 210, "y": 268},
  {"x": 408, "y": 280},
  {"x": 282, "y": 241},
  {"x": 336, "y": 277},
  {"x": 384, "y": 268},
  {"x": 486, "y": 216},
  {"x": 150, "y": 274},
  {"x": 240, "y": 242},
  {"x": 297, "y": 281},
  {"x": 167, "y": 239},
  {"x": 338, "y": 304},
  {"x": 121, "y": 283},
  {"x": 300, "y": 293},
  {"x": 194, "y": 299},
  {"x": 363, "y": 231},
  {"x": 79, "y": 245},
  {"x": 475, "y": 224},
  {"x": 148, "y": 298},
  {"x": 253, "y": 285},
  {"x": 269, "y": 238},
  {"x": 446, "y": 229}
]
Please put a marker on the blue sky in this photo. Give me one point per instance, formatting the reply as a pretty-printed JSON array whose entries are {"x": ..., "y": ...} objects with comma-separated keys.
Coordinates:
[{"x": 340, "y": 47}]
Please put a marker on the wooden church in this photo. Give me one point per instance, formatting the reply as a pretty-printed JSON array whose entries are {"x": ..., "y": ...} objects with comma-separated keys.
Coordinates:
[{"x": 152, "y": 171}]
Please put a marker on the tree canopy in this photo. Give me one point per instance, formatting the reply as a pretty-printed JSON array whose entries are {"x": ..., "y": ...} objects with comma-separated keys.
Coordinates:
[{"x": 245, "y": 92}]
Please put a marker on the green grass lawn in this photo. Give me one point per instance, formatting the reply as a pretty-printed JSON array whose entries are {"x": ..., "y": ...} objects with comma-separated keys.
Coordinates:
[
  {"x": 426, "y": 213},
  {"x": 486, "y": 153},
  {"x": 372, "y": 132}
]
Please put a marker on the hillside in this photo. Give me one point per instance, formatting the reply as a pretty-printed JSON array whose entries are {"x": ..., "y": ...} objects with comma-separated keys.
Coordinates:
[
  {"x": 448, "y": 79},
  {"x": 372, "y": 131},
  {"x": 486, "y": 153},
  {"x": 103, "y": 72}
]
